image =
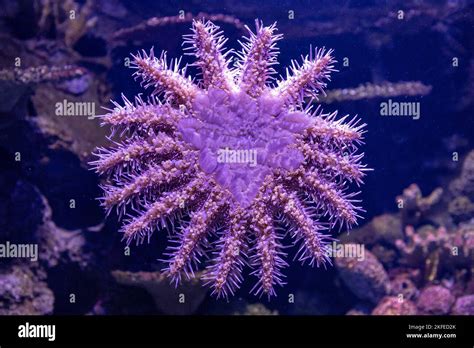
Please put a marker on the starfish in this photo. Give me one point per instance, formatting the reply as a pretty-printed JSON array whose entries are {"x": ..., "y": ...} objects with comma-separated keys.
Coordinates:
[{"x": 238, "y": 159}]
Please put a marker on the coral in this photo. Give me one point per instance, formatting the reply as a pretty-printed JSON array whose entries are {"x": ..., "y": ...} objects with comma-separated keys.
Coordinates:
[
  {"x": 421, "y": 243},
  {"x": 369, "y": 90},
  {"x": 235, "y": 153},
  {"x": 414, "y": 206},
  {"x": 464, "y": 305},
  {"x": 41, "y": 74},
  {"x": 437, "y": 249},
  {"x": 150, "y": 25},
  {"x": 180, "y": 301},
  {"x": 394, "y": 306},
  {"x": 366, "y": 278},
  {"x": 22, "y": 292},
  {"x": 435, "y": 300}
]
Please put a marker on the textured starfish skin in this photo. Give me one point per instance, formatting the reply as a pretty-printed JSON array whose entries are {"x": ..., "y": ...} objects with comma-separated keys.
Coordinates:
[{"x": 167, "y": 168}]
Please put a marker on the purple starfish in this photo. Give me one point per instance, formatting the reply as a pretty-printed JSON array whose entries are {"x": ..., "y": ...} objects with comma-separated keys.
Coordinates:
[{"x": 238, "y": 152}]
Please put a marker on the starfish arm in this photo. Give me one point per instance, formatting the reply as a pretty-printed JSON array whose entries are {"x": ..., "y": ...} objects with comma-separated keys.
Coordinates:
[
  {"x": 258, "y": 55},
  {"x": 347, "y": 167},
  {"x": 165, "y": 173},
  {"x": 314, "y": 243},
  {"x": 168, "y": 79},
  {"x": 191, "y": 240},
  {"x": 327, "y": 195},
  {"x": 267, "y": 256},
  {"x": 326, "y": 128},
  {"x": 306, "y": 79},
  {"x": 224, "y": 274},
  {"x": 152, "y": 115},
  {"x": 207, "y": 43},
  {"x": 134, "y": 150},
  {"x": 142, "y": 226}
]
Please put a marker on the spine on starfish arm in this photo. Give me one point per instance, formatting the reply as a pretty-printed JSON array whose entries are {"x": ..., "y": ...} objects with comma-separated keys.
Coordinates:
[
  {"x": 306, "y": 79},
  {"x": 168, "y": 79}
]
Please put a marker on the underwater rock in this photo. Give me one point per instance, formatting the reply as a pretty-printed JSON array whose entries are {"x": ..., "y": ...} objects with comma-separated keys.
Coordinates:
[
  {"x": 387, "y": 256},
  {"x": 68, "y": 30},
  {"x": 70, "y": 119},
  {"x": 76, "y": 86},
  {"x": 63, "y": 257},
  {"x": 56, "y": 245},
  {"x": 394, "y": 306},
  {"x": 464, "y": 184},
  {"x": 435, "y": 300},
  {"x": 26, "y": 210},
  {"x": 22, "y": 292},
  {"x": 366, "y": 278},
  {"x": 12, "y": 94},
  {"x": 360, "y": 309},
  {"x": 461, "y": 209},
  {"x": 385, "y": 228},
  {"x": 310, "y": 301},
  {"x": 59, "y": 246},
  {"x": 182, "y": 300},
  {"x": 402, "y": 285},
  {"x": 257, "y": 309},
  {"x": 464, "y": 306}
]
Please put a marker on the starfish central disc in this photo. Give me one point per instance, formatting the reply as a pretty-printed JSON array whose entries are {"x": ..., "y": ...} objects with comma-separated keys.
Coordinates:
[{"x": 241, "y": 139}]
